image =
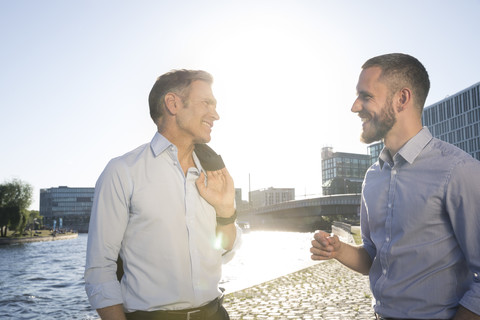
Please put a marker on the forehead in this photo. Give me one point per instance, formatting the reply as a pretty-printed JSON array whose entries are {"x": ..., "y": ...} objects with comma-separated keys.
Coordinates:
[
  {"x": 201, "y": 89},
  {"x": 369, "y": 80}
]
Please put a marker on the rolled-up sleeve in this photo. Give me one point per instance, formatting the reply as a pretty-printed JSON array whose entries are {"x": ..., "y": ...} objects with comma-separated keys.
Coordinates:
[
  {"x": 108, "y": 222},
  {"x": 227, "y": 256},
  {"x": 463, "y": 207}
]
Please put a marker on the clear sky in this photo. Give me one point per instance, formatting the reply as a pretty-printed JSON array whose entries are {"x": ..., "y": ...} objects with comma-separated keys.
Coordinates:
[{"x": 75, "y": 77}]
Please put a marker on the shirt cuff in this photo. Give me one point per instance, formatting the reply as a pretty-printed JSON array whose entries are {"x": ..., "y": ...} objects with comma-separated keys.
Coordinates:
[
  {"x": 471, "y": 299},
  {"x": 104, "y": 294}
]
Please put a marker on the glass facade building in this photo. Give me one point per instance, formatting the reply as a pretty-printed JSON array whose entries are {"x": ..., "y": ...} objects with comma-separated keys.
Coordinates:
[
  {"x": 456, "y": 120},
  {"x": 343, "y": 172},
  {"x": 71, "y": 205},
  {"x": 374, "y": 151}
]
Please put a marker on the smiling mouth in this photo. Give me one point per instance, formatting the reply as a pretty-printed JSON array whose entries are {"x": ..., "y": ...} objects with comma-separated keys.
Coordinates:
[
  {"x": 208, "y": 124},
  {"x": 364, "y": 118}
]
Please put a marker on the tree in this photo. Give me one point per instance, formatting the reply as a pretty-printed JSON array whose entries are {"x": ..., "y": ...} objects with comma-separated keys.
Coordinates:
[
  {"x": 35, "y": 219},
  {"x": 15, "y": 198}
]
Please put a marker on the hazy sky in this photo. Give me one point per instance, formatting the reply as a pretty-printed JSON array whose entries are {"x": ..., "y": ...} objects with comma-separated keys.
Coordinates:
[{"x": 75, "y": 77}]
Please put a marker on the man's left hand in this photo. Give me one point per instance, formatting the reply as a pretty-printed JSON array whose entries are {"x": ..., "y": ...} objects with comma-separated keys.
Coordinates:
[{"x": 219, "y": 191}]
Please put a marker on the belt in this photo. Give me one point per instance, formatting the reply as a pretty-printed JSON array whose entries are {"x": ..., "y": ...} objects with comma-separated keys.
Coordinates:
[
  {"x": 380, "y": 317},
  {"x": 200, "y": 313}
]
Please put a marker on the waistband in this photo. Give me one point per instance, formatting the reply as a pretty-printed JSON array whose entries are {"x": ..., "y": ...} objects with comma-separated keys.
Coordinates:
[{"x": 200, "y": 313}]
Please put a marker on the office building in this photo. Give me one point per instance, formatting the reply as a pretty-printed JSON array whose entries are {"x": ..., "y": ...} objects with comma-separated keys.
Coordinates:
[
  {"x": 456, "y": 119},
  {"x": 66, "y": 207},
  {"x": 270, "y": 196},
  {"x": 343, "y": 172},
  {"x": 374, "y": 151},
  {"x": 239, "y": 202}
]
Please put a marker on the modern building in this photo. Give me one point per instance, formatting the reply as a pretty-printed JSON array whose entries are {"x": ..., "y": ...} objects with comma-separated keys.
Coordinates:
[
  {"x": 239, "y": 202},
  {"x": 374, "y": 151},
  {"x": 65, "y": 207},
  {"x": 343, "y": 172},
  {"x": 270, "y": 196},
  {"x": 456, "y": 119}
]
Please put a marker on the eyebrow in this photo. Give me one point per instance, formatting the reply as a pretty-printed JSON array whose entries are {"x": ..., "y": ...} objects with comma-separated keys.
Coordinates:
[
  {"x": 212, "y": 101},
  {"x": 363, "y": 93}
]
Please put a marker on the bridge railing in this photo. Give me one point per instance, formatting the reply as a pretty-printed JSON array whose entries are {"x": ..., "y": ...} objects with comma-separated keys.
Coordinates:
[{"x": 341, "y": 199}]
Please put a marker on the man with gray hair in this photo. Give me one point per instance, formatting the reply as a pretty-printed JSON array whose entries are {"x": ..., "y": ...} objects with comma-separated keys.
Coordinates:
[{"x": 166, "y": 210}]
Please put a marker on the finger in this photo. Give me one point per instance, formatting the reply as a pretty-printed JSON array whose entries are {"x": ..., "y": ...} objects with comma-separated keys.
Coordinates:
[
  {"x": 321, "y": 237},
  {"x": 320, "y": 254},
  {"x": 225, "y": 172},
  {"x": 200, "y": 182},
  {"x": 318, "y": 245},
  {"x": 333, "y": 240}
]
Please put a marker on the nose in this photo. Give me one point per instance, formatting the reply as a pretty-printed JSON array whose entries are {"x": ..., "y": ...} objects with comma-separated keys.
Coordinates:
[
  {"x": 215, "y": 114},
  {"x": 356, "y": 107}
]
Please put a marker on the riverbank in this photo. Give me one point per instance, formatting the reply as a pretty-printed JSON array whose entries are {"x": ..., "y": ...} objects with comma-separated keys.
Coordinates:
[
  {"x": 327, "y": 290},
  {"x": 13, "y": 240}
]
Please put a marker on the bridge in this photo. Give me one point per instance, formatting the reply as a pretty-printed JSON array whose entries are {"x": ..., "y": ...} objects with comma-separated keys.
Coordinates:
[{"x": 302, "y": 215}]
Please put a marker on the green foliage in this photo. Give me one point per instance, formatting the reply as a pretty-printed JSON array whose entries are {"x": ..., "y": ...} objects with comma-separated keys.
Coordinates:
[
  {"x": 34, "y": 218},
  {"x": 15, "y": 198}
]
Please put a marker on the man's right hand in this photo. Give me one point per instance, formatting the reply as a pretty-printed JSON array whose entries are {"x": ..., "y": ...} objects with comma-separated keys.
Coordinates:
[{"x": 325, "y": 246}]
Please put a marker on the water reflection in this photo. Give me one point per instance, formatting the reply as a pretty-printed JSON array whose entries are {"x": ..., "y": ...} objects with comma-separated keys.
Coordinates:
[{"x": 44, "y": 280}]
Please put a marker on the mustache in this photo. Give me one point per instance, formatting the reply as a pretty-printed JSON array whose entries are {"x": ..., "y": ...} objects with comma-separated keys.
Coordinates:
[{"x": 364, "y": 114}]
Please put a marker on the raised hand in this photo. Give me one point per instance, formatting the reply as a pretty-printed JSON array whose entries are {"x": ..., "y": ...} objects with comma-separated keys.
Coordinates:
[
  {"x": 324, "y": 246},
  {"x": 219, "y": 191}
]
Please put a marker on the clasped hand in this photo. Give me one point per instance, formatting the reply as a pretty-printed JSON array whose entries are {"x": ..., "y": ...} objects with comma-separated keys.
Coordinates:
[{"x": 325, "y": 246}]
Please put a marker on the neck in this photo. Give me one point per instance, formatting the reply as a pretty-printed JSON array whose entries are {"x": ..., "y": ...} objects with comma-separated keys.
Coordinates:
[
  {"x": 399, "y": 135},
  {"x": 184, "y": 146}
]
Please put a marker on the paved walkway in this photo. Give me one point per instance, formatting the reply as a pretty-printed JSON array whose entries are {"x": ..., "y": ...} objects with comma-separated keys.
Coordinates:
[{"x": 327, "y": 290}]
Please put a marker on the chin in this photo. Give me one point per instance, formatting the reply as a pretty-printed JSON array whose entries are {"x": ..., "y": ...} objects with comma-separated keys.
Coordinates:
[{"x": 203, "y": 140}]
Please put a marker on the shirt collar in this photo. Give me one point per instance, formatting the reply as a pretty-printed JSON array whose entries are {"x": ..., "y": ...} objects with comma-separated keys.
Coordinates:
[
  {"x": 159, "y": 144},
  {"x": 410, "y": 150}
]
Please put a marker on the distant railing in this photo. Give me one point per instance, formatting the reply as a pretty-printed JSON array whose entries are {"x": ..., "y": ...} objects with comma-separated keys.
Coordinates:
[{"x": 338, "y": 199}]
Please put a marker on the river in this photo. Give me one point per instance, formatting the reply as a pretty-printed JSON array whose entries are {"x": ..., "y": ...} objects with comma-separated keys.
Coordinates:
[{"x": 44, "y": 280}]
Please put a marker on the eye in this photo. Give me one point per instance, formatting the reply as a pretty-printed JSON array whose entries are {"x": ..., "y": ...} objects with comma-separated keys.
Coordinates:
[{"x": 365, "y": 97}]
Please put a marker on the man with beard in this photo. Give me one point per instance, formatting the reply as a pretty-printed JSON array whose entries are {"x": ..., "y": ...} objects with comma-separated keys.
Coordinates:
[{"x": 420, "y": 208}]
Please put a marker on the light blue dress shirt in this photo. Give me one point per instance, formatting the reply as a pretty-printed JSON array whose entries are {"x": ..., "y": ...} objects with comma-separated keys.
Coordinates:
[
  {"x": 420, "y": 221},
  {"x": 147, "y": 210}
]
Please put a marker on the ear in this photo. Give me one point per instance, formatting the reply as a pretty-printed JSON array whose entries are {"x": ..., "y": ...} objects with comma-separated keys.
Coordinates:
[
  {"x": 171, "y": 103},
  {"x": 404, "y": 99}
]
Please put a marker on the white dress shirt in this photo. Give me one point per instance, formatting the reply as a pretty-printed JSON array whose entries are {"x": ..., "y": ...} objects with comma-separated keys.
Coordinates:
[{"x": 147, "y": 210}]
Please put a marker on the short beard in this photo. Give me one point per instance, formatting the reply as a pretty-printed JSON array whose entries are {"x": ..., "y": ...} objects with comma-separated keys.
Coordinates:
[{"x": 381, "y": 125}]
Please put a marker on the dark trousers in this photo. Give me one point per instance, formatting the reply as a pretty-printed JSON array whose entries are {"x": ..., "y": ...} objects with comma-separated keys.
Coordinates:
[{"x": 221, "y": 314}]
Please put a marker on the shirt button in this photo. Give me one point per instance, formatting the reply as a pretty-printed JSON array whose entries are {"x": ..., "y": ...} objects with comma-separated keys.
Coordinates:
[
  {"x": 394, "y": 171},
  {"x": 389, "y": 205},
  {"x": 175, "y": 163},
  {"x": 476, "y": 277},
  {"x": 379, "y": 303},
  {"x": 387, "y": 239},
  {"x": 384, "y": 271}
]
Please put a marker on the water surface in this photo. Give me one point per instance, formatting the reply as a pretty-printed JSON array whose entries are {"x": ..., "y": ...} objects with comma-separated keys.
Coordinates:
[{"x": 44, "y": 280}]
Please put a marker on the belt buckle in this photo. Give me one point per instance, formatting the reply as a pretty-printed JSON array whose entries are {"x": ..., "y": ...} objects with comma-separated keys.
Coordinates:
[{"x": 190, "y": 313}]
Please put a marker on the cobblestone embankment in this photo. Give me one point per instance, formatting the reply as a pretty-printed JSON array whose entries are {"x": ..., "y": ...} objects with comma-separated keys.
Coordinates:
[{"x": 327, "y": 290}]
